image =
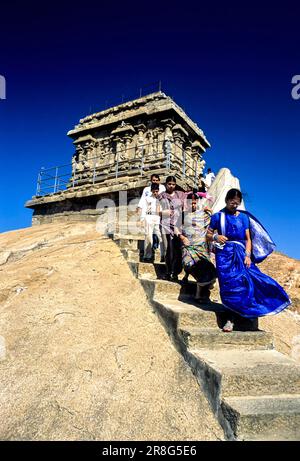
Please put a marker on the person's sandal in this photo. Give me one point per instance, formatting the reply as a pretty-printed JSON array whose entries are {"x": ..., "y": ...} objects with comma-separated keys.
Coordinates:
[{"x": 228, "y": 327}]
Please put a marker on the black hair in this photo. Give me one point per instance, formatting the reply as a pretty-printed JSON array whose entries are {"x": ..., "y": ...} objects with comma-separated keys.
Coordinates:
[
  {"x": 232, "y": 193},
  {"x": 171, "y": 178},
  {"x": 202, "y": 187},
  {"x": 208, "y": 170},
  {"x": 154, "y": 186},
  {"x": 192, "y": 195},
  {"x": 154, "y": 176}
]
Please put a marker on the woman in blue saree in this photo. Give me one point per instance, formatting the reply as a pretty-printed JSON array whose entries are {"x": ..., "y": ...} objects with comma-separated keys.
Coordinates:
[{"x": 240, "y": 242}]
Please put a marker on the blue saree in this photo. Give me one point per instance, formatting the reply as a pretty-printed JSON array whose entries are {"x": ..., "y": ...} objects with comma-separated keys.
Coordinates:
[{"x": 246, "y": 291}]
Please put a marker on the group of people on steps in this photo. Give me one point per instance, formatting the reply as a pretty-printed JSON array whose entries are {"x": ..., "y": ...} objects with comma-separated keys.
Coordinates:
[{"x": 187, "y": 233}]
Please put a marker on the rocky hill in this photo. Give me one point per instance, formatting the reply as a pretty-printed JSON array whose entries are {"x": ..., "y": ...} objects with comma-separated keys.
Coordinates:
[
  {"x": 83, "y": 356},
  {"x": 285, "y": 326}
]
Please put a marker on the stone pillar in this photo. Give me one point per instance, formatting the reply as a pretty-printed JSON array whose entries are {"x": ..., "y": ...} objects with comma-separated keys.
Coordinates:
[
  {"x": 99, "y": 157},
  {"x": 106, "y": 151},
  {"x": 196, "y": 166},
  {"x": 149, "y": 146},
  {"x": 197, "y": 150},
  {"x": 140, "y": 141},
  {"x": 90, "y": 148},
  {"x": 180, "y": 138},
  {"x": 122, "y": 139},
  {"x": 188, "y": 160},
  {"x": 111, "y": 153},
  {"x": 129, "y": 151},
  {"x": 85, "y": 151},
  {"x": 168, "y": 142},
  {"x": 168, "y": 148},
  {"x": 158, "y": 141},
  {"x": 119, "y": 148},
  {"x": 118, "y": 151},
  {"x": 178, "y": 147},
  {"x": 78, "y": 164}
]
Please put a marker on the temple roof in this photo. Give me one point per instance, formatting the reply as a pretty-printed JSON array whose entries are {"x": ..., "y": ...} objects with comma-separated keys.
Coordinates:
[{"x": 150, "y": 105}]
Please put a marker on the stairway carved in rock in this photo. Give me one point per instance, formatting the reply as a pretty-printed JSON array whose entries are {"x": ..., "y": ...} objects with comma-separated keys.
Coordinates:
[{"x": 253, "y": 389}]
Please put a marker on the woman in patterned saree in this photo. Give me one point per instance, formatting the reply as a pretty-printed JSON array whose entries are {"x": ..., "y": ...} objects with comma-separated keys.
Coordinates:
[
  {"x": 241, "y": 241},
  {"x": 195, "y": 251}
]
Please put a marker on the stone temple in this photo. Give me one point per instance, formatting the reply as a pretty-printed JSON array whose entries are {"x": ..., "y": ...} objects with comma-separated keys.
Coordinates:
[{"x": 117, "y": 150}]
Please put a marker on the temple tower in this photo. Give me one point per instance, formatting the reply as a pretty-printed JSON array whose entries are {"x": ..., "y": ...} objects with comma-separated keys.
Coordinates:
[{"x": 117, "y": 150}]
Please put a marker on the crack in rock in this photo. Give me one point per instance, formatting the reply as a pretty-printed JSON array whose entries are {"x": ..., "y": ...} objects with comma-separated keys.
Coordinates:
[
  {"x": 63, "y": 313},
  {"x": 15, "y": 255}
]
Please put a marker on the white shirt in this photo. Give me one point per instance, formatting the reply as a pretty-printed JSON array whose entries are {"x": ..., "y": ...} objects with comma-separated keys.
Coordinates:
[
  {"x": 209, "y": 179},
  {"x": 150, "y": 208},
  {"x": 147, "y": 192}
]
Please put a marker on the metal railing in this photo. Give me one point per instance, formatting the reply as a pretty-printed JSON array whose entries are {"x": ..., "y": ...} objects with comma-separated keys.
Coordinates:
[{"x": 136, "y": 160}]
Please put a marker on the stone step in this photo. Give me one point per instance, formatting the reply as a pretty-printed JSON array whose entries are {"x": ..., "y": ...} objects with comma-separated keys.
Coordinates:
[
  {"x": 157, "y": 269},
  {"x": 132, "y": 256},
  {"x": 129, "y": 243},
  {"x": 151, "y": 271},
  {"x": 136, "y": 257},
  {"x": 160, "y": 288},
  {"x": 166, "y": 289},
  {"x": 184, "y": 315},
  {"x": 202, "y": 338},
  {"x": 240, "y": 373},
  {"x": 264, "y": 417},
  {"x": 226, "y": 363},
  {"x": 135, "y": 243}
]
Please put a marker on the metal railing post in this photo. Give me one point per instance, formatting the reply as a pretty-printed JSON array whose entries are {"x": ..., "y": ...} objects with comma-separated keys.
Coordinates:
[
  {"x": 55, "y": 180},
  {"x": 38, "y": 187}
]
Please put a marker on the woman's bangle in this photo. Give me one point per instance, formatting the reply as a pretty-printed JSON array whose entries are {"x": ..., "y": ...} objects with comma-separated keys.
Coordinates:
[
  {"x": 248, "y": 254},
  {"x": 215, "y": 237}
]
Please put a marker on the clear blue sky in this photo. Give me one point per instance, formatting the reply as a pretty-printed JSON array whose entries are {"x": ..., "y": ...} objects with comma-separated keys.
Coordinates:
[{"x": 229, "y": 64}]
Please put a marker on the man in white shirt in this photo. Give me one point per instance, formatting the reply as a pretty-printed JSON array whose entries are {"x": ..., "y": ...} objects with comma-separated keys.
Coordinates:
[
  {"x": 151, "y": 218},
  {"x": 155, "y": 179},
  {"x": 147, "y": 190},
  {"x": 209, "y": 178}
]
